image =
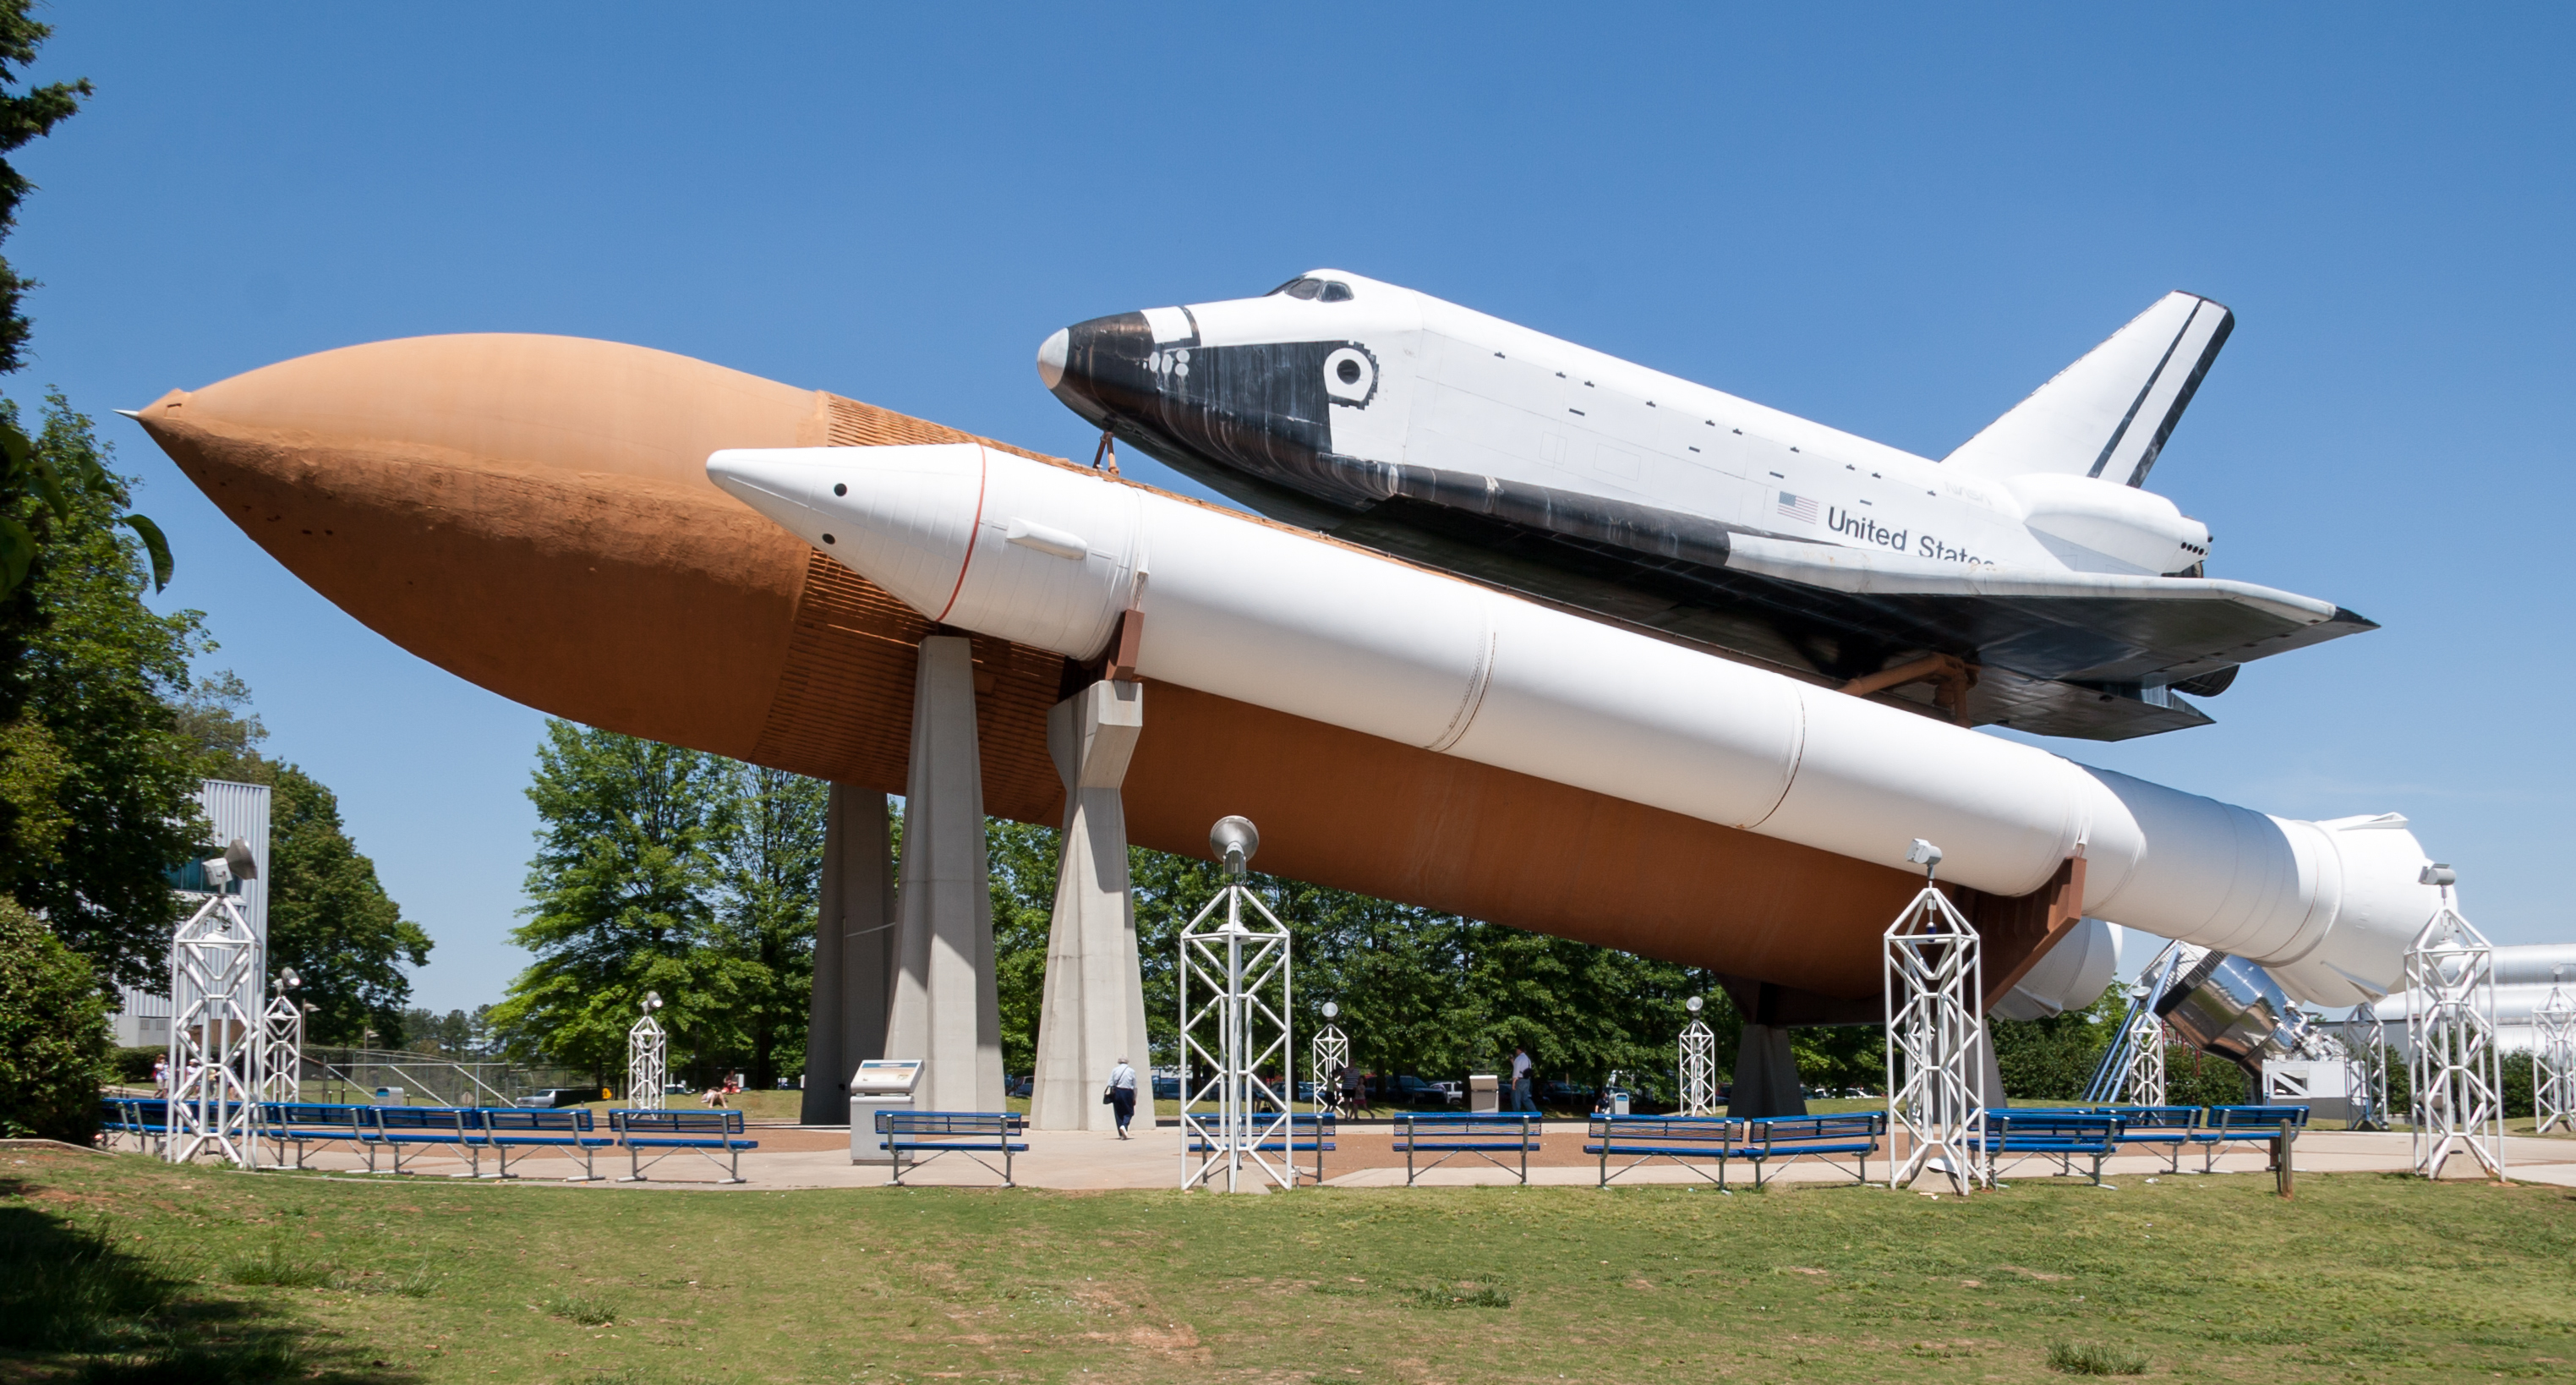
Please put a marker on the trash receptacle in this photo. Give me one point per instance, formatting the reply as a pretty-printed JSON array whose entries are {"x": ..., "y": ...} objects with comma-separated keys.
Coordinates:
[
  {"x": 879, "y": 1084},
  {"x": 1483, "y": 1093}
]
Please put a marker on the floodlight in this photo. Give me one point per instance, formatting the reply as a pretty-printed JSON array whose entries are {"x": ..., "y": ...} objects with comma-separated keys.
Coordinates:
[
  {"x": 2438, "y": 873},
  {"x": 1331, "y": 1009},
  {"x": 286, "y": 977},
  {"x": 312, "y": 1009},
  {"x": 652, "y": 1001},
  {"x": 1924, "y": 854},
  {"x": 1693, "y": 1004},
  {"x": 240, "y": 862},
  {"x": 1234, "y": 840}
]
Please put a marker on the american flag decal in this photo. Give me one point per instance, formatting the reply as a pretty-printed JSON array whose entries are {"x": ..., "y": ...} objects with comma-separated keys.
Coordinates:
[{"x": 1798, "y": 507}]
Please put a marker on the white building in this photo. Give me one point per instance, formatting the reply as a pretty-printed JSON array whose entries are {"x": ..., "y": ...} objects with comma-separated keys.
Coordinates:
[{"x": 236, "y": 810}]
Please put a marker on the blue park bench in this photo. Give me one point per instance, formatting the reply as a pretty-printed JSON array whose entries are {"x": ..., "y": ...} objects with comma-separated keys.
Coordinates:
[
  {"x": 2175, "y": 1128},
  {"x": 145, "y": 1120},
  {"x": 1686, "y": 1140},
  {"x": 395, "y": 1128},
  {"x": 1791, "y": 1138},
  {"x": 302, "y": 1123},
  {"x": 568, "y": 1128},
  {"x": 914, "y": 1138},
  {"x": 1449, "y": 1136},
  {"x": 1307, "y": 1132},
  {"x": 2278, "y": 1126},
  {"x": 706, "y": 1133},
  {"x": 2062, "y": 1135}
]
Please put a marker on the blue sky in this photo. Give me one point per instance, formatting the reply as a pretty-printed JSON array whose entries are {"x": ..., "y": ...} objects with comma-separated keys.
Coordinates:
[{"x": 1891, "y": 221}]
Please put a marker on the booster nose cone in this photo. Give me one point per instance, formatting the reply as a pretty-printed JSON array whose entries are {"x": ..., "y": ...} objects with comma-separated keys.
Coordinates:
[
  {"x": 903, "y": 517},
  {"x": 1051, "y": 357},
  {"x": 757, "y": 479}
]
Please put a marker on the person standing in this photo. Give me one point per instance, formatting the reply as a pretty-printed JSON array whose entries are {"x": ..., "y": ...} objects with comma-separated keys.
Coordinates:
[
  {"x": 1122, "y": 1095},
  {"x": 1521, "y": 1066}
]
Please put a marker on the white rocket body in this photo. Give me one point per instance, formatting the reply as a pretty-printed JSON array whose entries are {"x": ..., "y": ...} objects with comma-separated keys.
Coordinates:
[{"x": 1049, "y": 556}]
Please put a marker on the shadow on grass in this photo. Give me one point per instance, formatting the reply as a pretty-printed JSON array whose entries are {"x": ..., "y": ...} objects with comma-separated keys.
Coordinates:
[{"x": 75, "y": 1305}]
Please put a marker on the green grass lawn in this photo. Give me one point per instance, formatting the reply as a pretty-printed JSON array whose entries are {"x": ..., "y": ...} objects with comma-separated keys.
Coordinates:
[{"x": 118, "y": 1268}]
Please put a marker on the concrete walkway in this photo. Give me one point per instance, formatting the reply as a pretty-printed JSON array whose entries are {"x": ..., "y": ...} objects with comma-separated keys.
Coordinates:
[{"x": 818, "y": 1157}]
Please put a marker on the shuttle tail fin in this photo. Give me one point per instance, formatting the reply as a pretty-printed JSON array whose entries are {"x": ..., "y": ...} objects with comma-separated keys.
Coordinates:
[{"x": 2108, "y": 415}]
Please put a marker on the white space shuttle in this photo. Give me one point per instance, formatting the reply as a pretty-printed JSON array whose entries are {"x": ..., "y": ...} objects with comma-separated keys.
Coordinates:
[{"x": 2027, "y": 579}]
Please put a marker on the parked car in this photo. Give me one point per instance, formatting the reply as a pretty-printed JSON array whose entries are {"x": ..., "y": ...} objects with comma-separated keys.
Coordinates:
[
  {"x": 1409, "y": 1090},
  {"x": 1167, "y": 1089},
  {"x": 1564, "y": 1096},
  {"x": 1455, "y": 1093},
  {"x": 549, "y": 1098},
  {"x": 1023, "y": 1085}
]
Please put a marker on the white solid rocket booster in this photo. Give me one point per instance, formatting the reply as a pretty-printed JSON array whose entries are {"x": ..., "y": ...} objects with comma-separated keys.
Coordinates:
[{"x": 1049, "y": 555}]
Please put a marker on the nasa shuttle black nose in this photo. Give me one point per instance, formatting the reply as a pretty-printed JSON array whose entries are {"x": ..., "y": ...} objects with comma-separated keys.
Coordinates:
[{"x": 1252, "y": 406}]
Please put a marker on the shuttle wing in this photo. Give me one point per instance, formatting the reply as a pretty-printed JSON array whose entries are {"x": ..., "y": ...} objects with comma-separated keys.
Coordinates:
[
  {"x": 2108, "y": 415},
  {"x": 2066, "y": 653}
]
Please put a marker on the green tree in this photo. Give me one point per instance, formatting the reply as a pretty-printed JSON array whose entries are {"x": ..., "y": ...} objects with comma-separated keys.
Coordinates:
[
  {"x": 96, "y": 782},
  {"x": 331, "y": 920},
  {"x": 2053, "y": 1059},
  {"x": 769, "y": 847},
  {"x": 1022, "y": 859},
  {"x": 625, "y": 883},
  {"x": 53, "y": 1034},
  {"x": 24, "y": 116}
]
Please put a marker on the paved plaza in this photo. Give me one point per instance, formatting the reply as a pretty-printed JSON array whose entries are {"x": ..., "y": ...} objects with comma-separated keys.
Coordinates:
[{"x": 1363, "y": 1157}]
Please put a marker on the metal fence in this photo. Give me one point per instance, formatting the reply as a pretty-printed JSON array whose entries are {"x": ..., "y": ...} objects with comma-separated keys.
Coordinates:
[{"x": 425, "y": 1079}]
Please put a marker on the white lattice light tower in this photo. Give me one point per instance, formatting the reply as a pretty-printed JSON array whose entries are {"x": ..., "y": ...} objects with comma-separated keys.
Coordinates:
[
  {"x": 2366, "y": 1068},
  {"x": 215, "y": 1022},
  {"x": 646, "y": 1049},
  {"x": 1699, "y": 1064},
  {"x": 1331, "y": 1054},
  {"x": 2450, "y": 1023},
  {"x": 1936, "y": 1088},
  {"x": 1234, "y": 958},
  {"x": 2553, "y": 1059},
  {"x": 2145, "y": 1085},
  {"x": 281, "y": 1041}
]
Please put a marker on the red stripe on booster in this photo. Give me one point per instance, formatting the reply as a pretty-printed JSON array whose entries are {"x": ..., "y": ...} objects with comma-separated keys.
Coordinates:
[{"x": 983, "y": 468}]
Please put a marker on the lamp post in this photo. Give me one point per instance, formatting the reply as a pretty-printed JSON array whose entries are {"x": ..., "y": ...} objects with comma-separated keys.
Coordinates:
[
  {"x": 646, "y": 1048},
  {"x": 282, "y": 1041},
  {"x": 1699, "y": 1064},
  {"x": 1332, "y": 1053}
]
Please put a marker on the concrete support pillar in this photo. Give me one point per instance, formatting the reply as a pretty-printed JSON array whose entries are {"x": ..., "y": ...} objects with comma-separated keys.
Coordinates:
[
  {"x": 1986, "y": 1059},
  {"x": 1094, "y": 1010},
  {"x": 853, "y": 952},
  {"x": 946, "y": 1011},
  {"x": 1766, "y": 1074}
]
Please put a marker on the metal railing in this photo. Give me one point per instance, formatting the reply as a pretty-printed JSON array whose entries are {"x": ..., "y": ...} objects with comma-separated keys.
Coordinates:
[{"x": 357, "y": 1074}]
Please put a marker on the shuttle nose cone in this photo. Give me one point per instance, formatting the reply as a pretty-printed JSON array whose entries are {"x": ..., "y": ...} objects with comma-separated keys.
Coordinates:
[
  {"x": 1102, "y": 369},
  {"x": 1051, "y": 354}
]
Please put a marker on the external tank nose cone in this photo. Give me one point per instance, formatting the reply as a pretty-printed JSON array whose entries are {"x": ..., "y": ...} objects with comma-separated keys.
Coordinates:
[{"x": 1051, "y": 354}]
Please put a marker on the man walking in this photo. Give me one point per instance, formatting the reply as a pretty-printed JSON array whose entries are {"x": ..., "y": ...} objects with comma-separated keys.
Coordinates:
[
  {"x": 1122, "y": 1095},
  {"x": 1521, "y": 1066}
]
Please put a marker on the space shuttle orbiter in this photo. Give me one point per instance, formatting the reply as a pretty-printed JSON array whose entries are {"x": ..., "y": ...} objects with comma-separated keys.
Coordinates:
[{"x": 2027, "y": 579}]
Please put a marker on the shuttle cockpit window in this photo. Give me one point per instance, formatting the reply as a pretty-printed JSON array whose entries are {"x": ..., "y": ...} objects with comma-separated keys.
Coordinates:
[{"x": 1320, "y": 290}]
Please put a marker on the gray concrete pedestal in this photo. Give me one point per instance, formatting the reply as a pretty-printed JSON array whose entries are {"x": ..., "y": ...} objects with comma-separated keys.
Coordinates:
[
  {"x": 1766, "y": 1074},
  {"x": 1094, "y": 1009},
  {"x": 945, "y": 1009},
  {"x": 853, "y": 952}
]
